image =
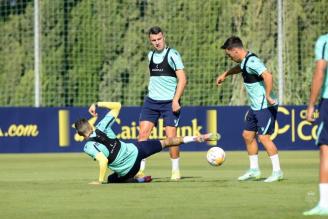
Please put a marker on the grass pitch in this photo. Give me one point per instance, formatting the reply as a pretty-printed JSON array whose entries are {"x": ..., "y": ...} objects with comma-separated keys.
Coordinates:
[{"x": 56, "y": 186}]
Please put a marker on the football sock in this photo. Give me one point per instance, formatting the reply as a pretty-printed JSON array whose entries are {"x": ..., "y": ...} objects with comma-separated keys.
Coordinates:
[
  {"x": 175, "y": 164},
  {"x": 275, "y": 162},
  {"x": 254, "y": 161},
  {"x": 323, "y": 189},
  {"x": 142, "y": 165},
  {"x": 188, "y": 139}
]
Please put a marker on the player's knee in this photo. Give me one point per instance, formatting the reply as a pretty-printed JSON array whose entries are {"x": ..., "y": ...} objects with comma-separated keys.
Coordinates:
[
  {"x": 143, "y": 135},
  {"x": 247, "y": 137},
  {"x": 264, "y": 138}
]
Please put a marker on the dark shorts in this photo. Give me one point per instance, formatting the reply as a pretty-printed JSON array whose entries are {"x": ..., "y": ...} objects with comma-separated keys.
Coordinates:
[
  {"x": 152, "y": 110},
  {"x": 261, "y": 121},
  {"x": 145, "y": 149},
  {"x": 322, "y": 122}
]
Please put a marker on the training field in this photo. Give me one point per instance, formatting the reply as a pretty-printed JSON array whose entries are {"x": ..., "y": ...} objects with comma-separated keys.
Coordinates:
[{"x": 56, "y": 186}]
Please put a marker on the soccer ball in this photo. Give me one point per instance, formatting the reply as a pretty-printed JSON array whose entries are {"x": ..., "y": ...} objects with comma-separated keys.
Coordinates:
[{"x": 215, "y": 156}]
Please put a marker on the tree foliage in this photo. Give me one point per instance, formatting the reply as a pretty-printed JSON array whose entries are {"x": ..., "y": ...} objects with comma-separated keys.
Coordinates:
[{"x": 97, "y": 50}]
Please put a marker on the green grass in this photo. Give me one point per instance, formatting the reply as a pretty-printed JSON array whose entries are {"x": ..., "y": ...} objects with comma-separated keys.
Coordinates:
[{"x": 56, "y": 186}]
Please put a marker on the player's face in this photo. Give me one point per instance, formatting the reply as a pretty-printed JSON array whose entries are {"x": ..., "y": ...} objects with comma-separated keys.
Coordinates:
[
  {"x": 233, "y": 54},
  {"x": 158, "y": 41}
]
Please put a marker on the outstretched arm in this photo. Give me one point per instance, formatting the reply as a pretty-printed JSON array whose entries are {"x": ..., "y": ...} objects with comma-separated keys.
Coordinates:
[
  {"x": 114, "y": 108},
  {"x": 102, "y": 161},
  {"x": 232, "y": 71}
]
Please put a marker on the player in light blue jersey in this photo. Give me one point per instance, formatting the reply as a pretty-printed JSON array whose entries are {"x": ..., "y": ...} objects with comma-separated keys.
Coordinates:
[
  {"x": 166, "y": 85},
  {"x": 260, "y": 118},
  {"x": 121, "y": 157},
  {"x": 320, "y": 83}
]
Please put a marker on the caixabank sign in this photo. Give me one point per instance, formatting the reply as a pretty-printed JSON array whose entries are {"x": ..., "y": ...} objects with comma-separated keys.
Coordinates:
[{"x": 50, "y": 129}]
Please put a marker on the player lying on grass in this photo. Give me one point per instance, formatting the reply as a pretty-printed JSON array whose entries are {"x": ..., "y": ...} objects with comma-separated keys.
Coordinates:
[{"x": 122, "y": 158}]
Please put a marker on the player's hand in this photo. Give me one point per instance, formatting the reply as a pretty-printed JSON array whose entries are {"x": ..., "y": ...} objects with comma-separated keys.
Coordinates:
[
  {"x": 176, "y": 106},
  {"x": 310, "y": 113},
  {"x": 271, "y": 101},
  {"x": 92, "y": 110},
  {"x": 220, "y": 79}
]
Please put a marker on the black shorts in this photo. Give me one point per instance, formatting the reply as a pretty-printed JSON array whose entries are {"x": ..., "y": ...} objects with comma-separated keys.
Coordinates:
[{"x": 145, "y": 149}]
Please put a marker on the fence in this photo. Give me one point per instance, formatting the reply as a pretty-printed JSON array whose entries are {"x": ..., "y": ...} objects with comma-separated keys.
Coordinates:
[{"x": 87, "y": 50}]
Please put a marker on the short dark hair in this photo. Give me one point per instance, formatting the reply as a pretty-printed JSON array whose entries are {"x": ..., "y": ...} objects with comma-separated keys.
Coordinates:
[
  {"x": 81, "y": 126},
  {"x": 232, "y": 42},
  {"x": 155, "y": 30}
]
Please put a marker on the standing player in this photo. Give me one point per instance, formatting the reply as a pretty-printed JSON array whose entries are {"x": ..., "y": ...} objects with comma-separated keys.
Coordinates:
[
  {"x": 122, "y": 158},
  {"x": 320, "y": 82},
  {"x": 260, "y": 118},
  {"x": 166, "y": 85}
]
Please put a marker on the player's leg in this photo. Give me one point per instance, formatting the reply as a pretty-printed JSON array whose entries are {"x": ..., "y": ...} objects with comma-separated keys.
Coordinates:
[
  {"x": 322, "y": 206},
  {"x": 171, "y": 121},
  {"x": 323, "y": 187},
  {"x": 249, "y": 136},
  {"x": 171, "y": 132},
  {"x": 144, "y": 133},
  {"x": 266, "y": 124},
  {"x": 114, "y": 178},
  {"x": 177, "y": 141},
  {"x": 322, "y": 141},
  {"x": 150, "y": 147},
  {"x": 148, "y": 118}
]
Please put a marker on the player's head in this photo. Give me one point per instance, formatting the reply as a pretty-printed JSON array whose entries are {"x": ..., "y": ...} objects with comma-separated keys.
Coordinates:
[
  {"x": 234, "y": 48},
  {"x": 83, "y": 128},
  {"x": 156, "y": 38}
]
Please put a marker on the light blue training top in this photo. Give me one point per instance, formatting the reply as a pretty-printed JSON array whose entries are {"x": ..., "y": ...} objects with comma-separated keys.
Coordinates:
[
  {"x": 164, "y": 87},
  {"x": 321, "y": 53},
  {"x": 127, "y": 155},
  {"x": 256, "y": 91}
]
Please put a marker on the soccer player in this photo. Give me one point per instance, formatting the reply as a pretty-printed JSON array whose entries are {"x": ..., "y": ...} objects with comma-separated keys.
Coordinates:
[
  {"x": 320, "y": 82},
  {"x": 122, "y": 158},
  {"x": 166, "y": 85},
  {"x": 260, "y": 118}
]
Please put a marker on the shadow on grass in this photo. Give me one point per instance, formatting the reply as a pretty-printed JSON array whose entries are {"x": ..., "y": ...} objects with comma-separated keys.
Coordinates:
[{"x": 186, "y": 179}]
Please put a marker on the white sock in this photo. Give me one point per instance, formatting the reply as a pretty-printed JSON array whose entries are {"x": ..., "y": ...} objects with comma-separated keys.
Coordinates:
[
  {"x": 142, "y": 165},
  {"x": 254, "y": 161},
  {"x": 323, "y": 189},
  {"x": 188, "y": 139},
  {"x": 275, "y": 162},
  {"x": 175, "y": 164}
]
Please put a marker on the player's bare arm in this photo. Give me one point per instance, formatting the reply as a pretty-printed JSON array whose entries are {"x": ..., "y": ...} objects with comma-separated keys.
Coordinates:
[
  {"x": 268, "y": 83},
  {"x": 182, "y": 82},
  {"x": 317, "y": 81},
  {"x": 223, "y": 76}
]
